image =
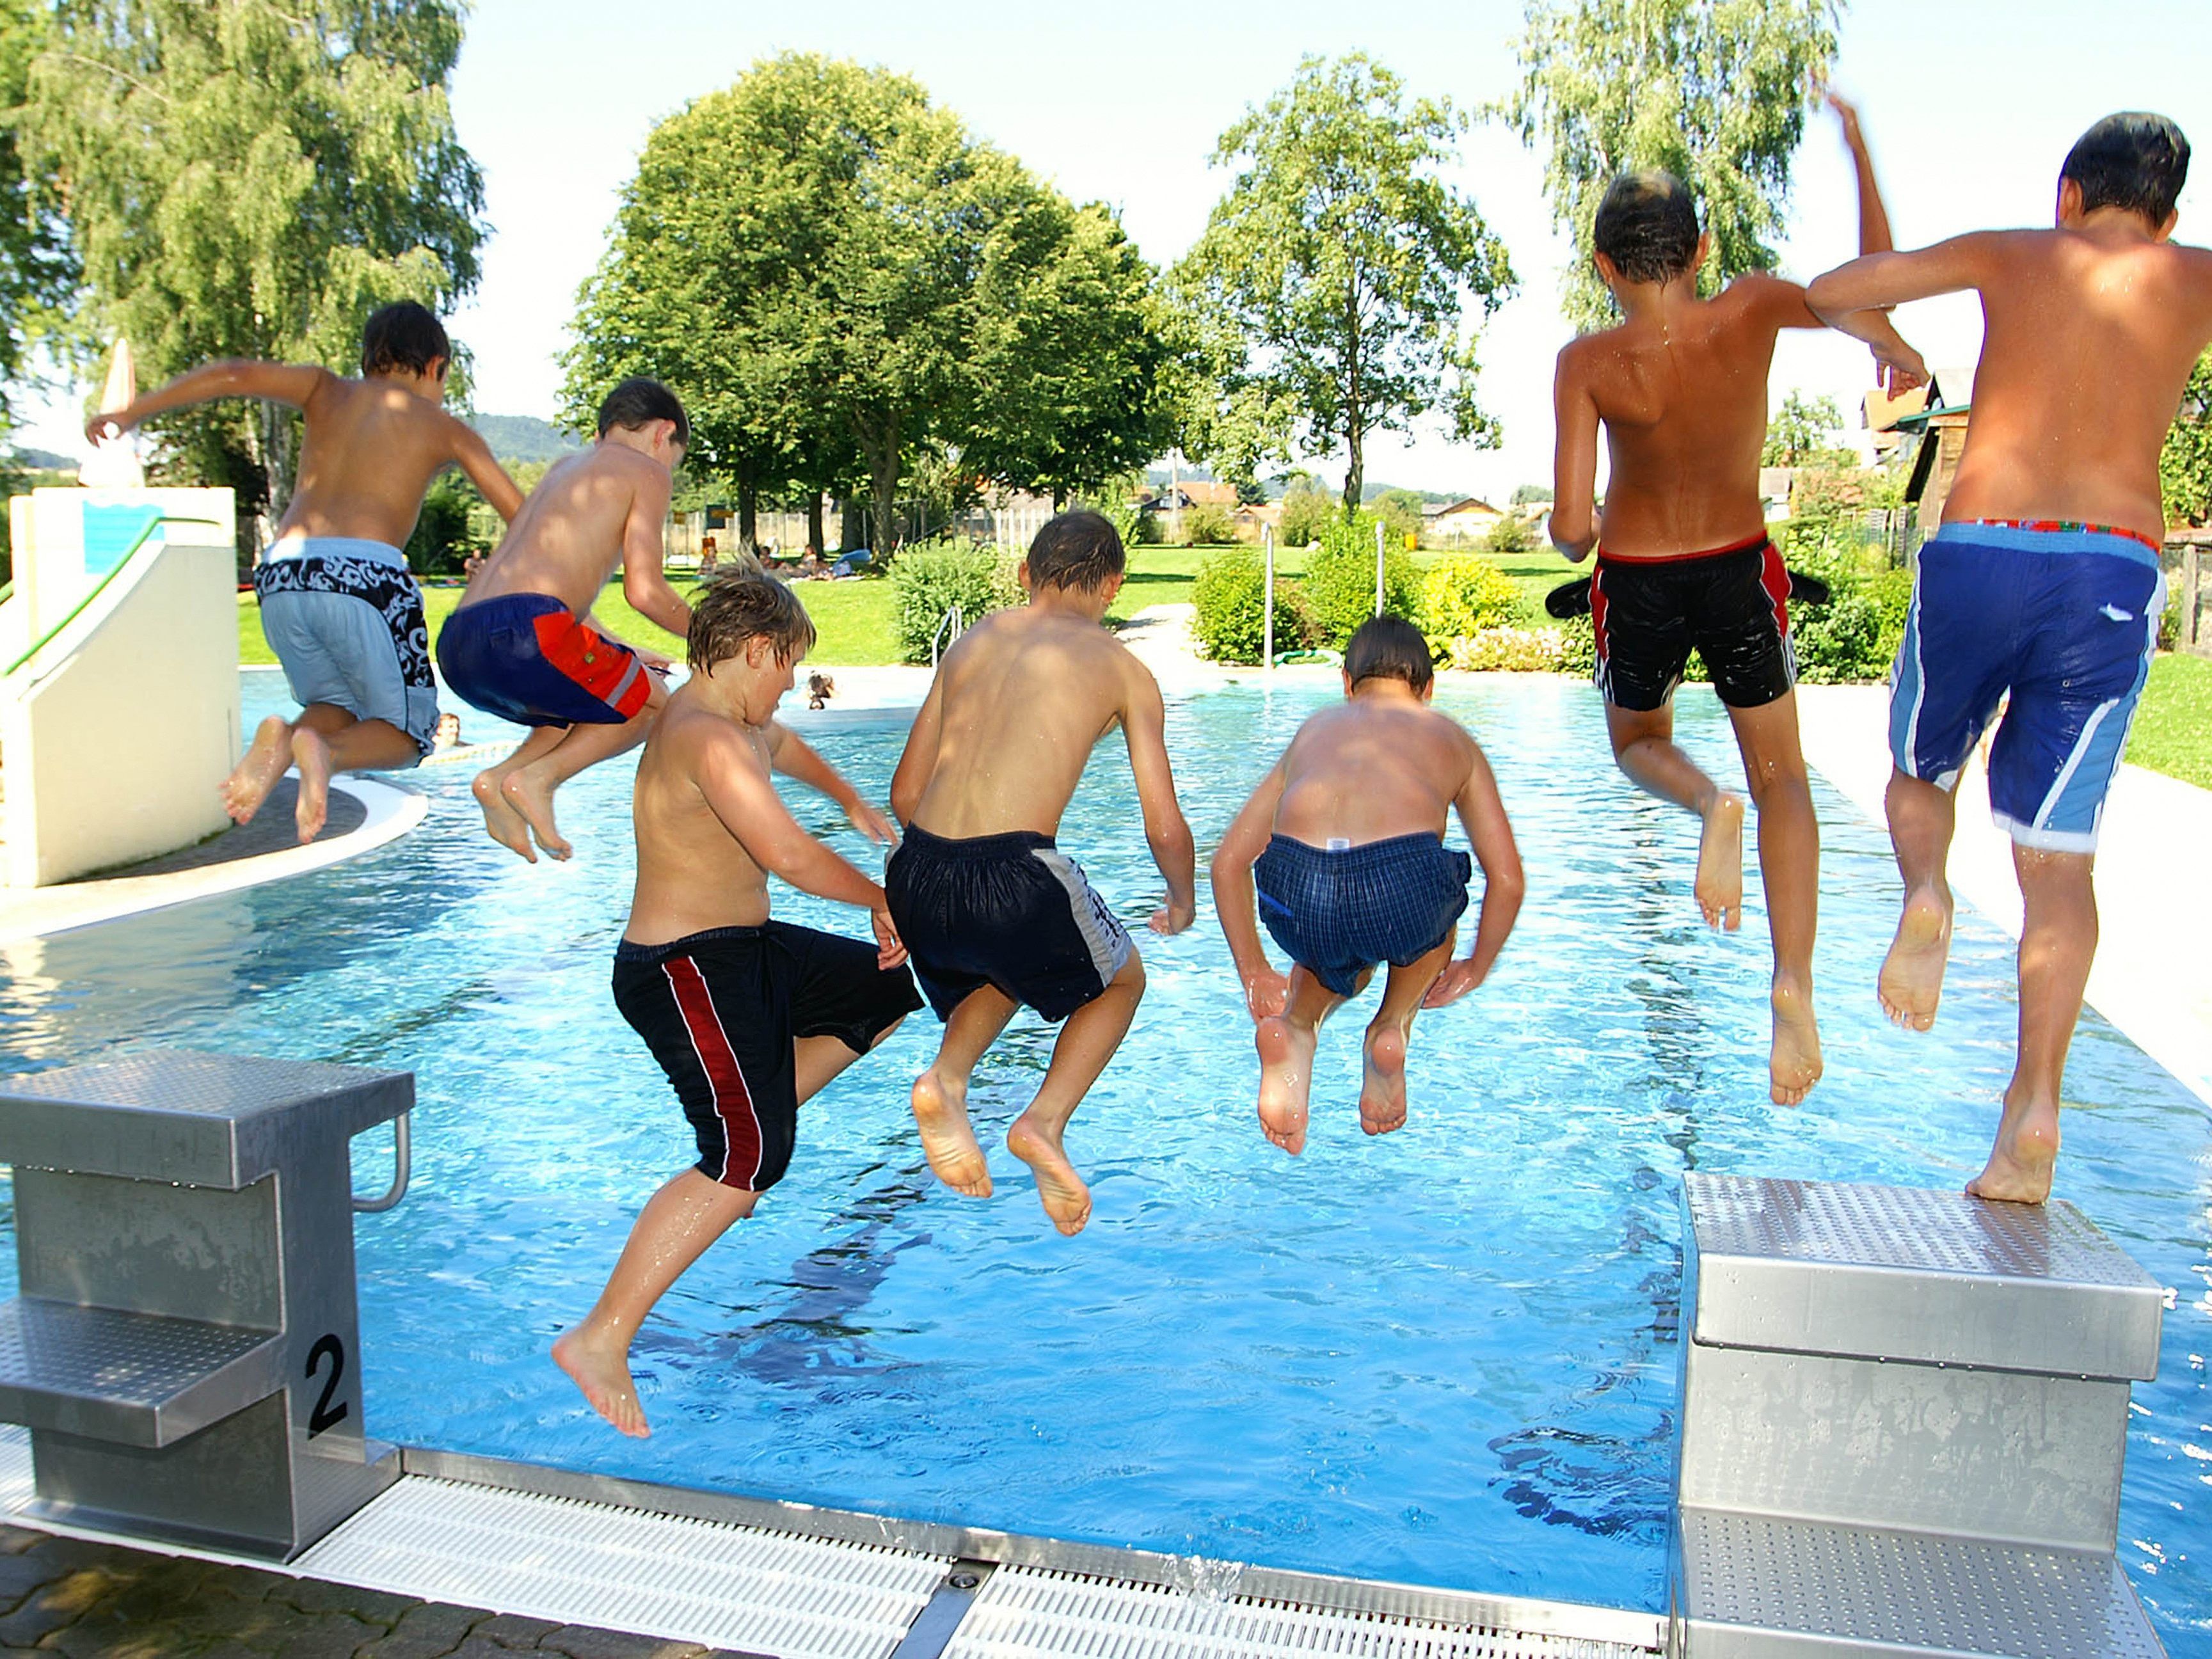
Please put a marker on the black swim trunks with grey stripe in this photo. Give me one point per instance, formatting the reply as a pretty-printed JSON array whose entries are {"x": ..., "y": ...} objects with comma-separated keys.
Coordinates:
[{"x": 1006, "y": 910}]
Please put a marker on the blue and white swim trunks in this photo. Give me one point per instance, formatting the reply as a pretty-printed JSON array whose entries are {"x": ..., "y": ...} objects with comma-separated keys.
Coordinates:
[{"x": 2063, "y": 618}]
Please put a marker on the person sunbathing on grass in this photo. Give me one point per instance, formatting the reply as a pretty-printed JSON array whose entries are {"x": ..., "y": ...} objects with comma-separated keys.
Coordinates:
[{"x": 1343, "y": 843}]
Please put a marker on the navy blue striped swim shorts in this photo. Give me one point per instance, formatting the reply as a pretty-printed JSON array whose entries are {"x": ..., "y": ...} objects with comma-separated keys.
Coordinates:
[{"x": 1340, "y": 911}]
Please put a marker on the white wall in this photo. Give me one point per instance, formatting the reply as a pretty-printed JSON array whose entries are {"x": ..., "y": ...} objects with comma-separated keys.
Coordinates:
[{"x": 117, "y": 734}]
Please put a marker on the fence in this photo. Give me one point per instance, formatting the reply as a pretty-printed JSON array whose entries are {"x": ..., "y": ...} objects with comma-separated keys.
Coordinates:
[{"x": 2185, "y": 552}]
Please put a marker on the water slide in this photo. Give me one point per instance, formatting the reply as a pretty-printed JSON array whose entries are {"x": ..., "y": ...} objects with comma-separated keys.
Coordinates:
[{"x": 119, "y": 677}]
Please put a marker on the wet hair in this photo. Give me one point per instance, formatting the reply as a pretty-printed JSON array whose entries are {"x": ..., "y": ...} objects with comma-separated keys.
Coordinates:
[
  {"x": 1076, "y": 549},
  {"x": 1648, "y": 227},
  {"x": 641, "y": 399},
  {"x": 403, "y": 338},
  {"x": 2134, "y": 160},
  {"x": 1389, "y": 648},
  {"x": 745, "y": 604}
]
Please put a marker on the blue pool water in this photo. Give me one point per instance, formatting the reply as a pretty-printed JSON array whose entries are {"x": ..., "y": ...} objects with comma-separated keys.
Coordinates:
[{"x": 1445, "y": 1356}]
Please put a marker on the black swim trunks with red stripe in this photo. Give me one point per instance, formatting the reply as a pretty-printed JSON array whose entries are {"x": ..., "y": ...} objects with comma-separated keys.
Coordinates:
[
  {"x": 721, "y": 1011},
  {"x": 1731, "y": 605}
]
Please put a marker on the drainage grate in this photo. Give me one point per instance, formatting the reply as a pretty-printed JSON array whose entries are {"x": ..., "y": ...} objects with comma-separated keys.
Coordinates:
[
  {"x": 1029, "y": 1613},
  {"x": 618, "y": 1569}
]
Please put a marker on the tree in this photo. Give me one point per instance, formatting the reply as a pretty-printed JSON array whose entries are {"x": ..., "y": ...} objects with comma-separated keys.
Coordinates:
[
  {"x": 1802, "y": 432},
  {"x": 1327, "y": 295},
  {"x": 1714, "y": 91},
  {"x": 841, "y": 282},
  {"x": 1531, "y": 494},
  {"x": 246, "y": 177},
  {"x": 36, "y": 270},
  {"x": 2184, "y": 465}
]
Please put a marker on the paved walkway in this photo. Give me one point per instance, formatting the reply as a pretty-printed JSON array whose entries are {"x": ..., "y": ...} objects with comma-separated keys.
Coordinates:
[{"x": 61, "y": 1595}]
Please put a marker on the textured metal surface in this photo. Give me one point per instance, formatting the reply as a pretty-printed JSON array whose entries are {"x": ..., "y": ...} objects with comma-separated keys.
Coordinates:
[
  {"x": 935, "y": 1625},
  {"x": 591, "y": 1564},
  {"x": 137, "y": 1379},
  {"x": 1894, "y": 1272},
  {"x": 193, "y": 1252},
  {"x": 1751, "y": 1587},
  {"x": 1996, "y": 1455},
  {"x": 1032, "y": 1612},
  {"x": 201, "y": 1120},
  {"x": 1634, "y": 1632}
]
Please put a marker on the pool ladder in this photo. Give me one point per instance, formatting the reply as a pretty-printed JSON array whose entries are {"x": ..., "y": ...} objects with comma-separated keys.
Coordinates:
[
  {"x": 185, "y": 1350},
  {"x": 1903, "y": 1423}
]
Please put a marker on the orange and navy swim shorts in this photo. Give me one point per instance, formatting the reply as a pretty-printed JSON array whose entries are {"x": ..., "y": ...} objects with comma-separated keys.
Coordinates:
[{"x": 527, "y": 657}]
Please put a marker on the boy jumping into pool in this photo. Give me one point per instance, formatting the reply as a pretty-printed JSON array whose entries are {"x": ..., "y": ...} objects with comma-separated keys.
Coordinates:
[
  {"x": 995, "y": 914},
  {"x": 1684, "y": 559},
  {"x": 749, "y": 1017},
  {"x": 339, "y": 606},
  {"x": 2044, "y": 579},
  {"x": 523, "y": 645},
  {"x": 1344, "y": 841}
]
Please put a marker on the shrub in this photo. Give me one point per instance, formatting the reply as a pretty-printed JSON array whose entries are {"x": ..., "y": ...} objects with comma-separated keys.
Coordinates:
[
  {"x": 1402, "y": 510},
  {"x": 1510, "y": 534},
  {"x": 1207, "y": 525},
  {"x": 1578, "y": 649},
  {"x": 1463, "y": 595},
  {"x": 1519, "y": 650},
  {"x": 1230, "y": 600},
  {"x": 1152, "y": 531},
  {"x": 1341, "y": 581},
  {"x": 2169, "y": 621},
  {"x": 1307, "y": 512},
  {"x": 1855, "y": 635},
  {"x": 929, "y": 579}
]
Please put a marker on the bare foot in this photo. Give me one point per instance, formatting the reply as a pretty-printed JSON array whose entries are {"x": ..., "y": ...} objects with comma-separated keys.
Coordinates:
[
  {"x": 1911, "y": 982},
  {"x": 258, "y": 769},
  {"x": 1382, "y": 1089},
  {"x": 501, "y": 822},
  {"x": 1720, "y": 863},
  {"x": 2018, "y": 1170},
  {"x": 312, "y": 756},
  {"x": 940, "y": 1108},
  {"x": 1287, "y": 1053},
  {"x": 605, "y": 1380},
  {"x": 1065, "y": 1199},
  {"x": 532, "y": 797},
  {"x": 1795, "y": 1065}
]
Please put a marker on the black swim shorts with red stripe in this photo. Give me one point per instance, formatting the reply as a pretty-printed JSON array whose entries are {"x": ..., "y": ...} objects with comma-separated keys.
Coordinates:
[
  {"x": 1731, "y": 605},
  {"x": 721, "y": 1011}
]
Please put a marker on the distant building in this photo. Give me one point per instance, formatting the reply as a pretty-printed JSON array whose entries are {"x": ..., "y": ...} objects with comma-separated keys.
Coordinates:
[
  {"x": 1467, "y": 520},
  {"x": 1774, "y": 486},
  {"x": 1922, "y": 434}
]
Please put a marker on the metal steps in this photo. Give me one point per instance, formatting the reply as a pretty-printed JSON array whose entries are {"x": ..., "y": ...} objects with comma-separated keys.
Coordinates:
[
  {"x": 1904, "y": 1421},
  {"x": 132, "y": 1378}
]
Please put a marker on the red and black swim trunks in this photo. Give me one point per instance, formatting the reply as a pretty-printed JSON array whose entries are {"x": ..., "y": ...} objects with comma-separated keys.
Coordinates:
[
  {"x": 1731, "y": 605},
  {"x": 721, "y": 1011},
  {"x": 527, "y": 657}
]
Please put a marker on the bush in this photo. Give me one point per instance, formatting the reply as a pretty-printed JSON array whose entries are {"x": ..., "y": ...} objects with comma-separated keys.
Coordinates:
[
  {"x": 1207, "y": 525},
  {"x": 1152, "y": 531},
  {"x": 1855, "y": 635},
  {"x": 1307, "y": 512},
  {"x": 1510, "y": 534},
  {"x": 1402, "y": 510},
  {"x": 1519, "y": 650},
  {"x": 1462, "y": 596},
  {"x": 929, "y": 579},
  {"x": 1230, "y": 599},
  {"x": 1578, "y": 649},
  {"x": 1341, "y": 581},
  {"x": 2169, "y": 621}
]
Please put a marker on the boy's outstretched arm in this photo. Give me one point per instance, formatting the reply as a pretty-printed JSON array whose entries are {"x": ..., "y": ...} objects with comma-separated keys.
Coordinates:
[
  {"x": 918, "y": 762},
  {"x": 1482, "y": 814},
  {"x": 1855, "y": 297},
  {"x": 793, "y": 755},
  {"x": 1573, "y": 525},
  {"x": 1873, "y": 217},
  {"x": 643, "y": 585},
  {"x": 1143, "y": 724},
  {"x": 476, "y": 460},
  {"x": 737, "y": 787},
  {"x": 1265, "y": 990},
  {"x": 233, "y": 376}
]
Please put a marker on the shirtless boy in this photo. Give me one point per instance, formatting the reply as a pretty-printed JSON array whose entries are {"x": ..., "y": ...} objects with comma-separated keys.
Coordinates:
[
  {"x": 523, "y": 645},
  {"x": 341, "y": 610},
  {"x": 2043, "y": 581},
  {"x": 1684, "y": 559},
  {"x": 1344, "y": 841},
  {"x": 749, "y": 1017},
  {"x": 995, "y": 914}
]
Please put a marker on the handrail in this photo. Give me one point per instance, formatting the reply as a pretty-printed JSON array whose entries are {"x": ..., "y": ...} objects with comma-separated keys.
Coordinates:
[
  {"x": 954, "y": 618},
  {"x": 100, "y": 587},
  {"x": 401, "y": 1159}
]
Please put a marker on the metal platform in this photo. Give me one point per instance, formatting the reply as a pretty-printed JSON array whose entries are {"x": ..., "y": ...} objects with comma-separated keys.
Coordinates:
[
  {"x": 131, "y": 1378},
  {"x": 1759, "y": 1585},
  {"x": 1893, "y": 1273}
]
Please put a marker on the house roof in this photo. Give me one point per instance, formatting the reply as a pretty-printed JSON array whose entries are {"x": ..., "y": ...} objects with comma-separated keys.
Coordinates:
[{"x": 1469, "y": 504}]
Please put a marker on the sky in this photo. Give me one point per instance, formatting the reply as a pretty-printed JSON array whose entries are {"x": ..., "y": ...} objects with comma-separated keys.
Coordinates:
[{"x": 1969, "y": 106}]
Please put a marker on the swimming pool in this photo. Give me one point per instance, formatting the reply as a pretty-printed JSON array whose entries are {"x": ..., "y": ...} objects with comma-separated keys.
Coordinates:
[{"x": 1445, "y": 1356}]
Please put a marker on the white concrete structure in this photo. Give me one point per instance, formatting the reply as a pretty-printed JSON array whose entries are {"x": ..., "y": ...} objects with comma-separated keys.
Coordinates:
[{"x": 118, "y": 678}]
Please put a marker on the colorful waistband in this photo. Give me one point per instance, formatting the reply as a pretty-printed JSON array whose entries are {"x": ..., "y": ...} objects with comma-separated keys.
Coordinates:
[
  {"x": 2068, "y": 526},
  {"x": 2050, "y": 535},
  {"x": 1756, "y": 543}
]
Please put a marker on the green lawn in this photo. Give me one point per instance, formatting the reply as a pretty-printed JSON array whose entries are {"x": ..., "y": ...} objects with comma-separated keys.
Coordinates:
[{"x": 2173, "y": 727}]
